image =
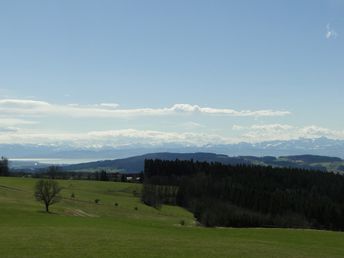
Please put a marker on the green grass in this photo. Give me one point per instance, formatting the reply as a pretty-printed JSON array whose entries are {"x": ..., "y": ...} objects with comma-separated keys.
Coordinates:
[{"x": 81, "y": 228}]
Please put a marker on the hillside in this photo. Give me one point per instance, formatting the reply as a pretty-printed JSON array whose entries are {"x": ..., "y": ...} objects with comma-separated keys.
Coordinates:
[
  {"x": 80, "y": 228},
  {"x": 247, "y": 195},
  {"x": 311, "y": 162},
  {"x": 136, "y": 163},
  {"x": 311, "y": 158}
]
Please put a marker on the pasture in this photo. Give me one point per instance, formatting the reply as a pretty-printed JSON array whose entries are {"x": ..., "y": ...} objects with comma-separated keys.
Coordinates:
[{"x": 79, "y": 227}]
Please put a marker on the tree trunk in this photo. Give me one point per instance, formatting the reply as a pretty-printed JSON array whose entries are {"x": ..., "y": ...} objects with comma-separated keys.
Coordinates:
[{"x": 46, "y": 207}]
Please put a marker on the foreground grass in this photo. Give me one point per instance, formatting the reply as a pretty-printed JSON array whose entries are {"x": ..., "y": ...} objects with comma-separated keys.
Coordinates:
[{"x": 80, "y": 228}]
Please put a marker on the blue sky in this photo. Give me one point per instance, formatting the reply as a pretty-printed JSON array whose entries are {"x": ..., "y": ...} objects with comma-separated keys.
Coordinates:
[{"x": 218, "y": 58}]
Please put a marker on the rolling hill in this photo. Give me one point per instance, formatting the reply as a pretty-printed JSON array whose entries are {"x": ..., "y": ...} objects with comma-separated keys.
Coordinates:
[
  {"x": 78, "y": 227},
  {"x": 136, "y": 164}
]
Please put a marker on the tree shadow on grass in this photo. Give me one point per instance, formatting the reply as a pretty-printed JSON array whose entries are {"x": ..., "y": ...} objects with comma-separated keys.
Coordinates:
[{"x": 49, "y": 213}]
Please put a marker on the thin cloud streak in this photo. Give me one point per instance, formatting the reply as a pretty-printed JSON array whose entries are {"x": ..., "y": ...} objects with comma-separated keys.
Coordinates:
[
  {"x": 106, "y": 110},
  {"x": 15, "y": 122}
]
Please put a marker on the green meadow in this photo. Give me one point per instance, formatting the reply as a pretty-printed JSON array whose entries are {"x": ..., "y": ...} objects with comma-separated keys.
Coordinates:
[{"x": 78, "y": 227}]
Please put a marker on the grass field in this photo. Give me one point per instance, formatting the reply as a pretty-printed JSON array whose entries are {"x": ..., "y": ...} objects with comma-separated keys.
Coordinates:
[{"x": 82, "y": 228}]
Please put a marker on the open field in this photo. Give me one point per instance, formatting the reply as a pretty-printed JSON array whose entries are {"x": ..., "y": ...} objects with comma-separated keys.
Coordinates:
[{"x": 81, "y": 228}]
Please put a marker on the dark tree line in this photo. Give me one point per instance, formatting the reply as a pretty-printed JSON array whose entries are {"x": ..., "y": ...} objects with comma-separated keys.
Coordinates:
[
  {"x": 56, "y": 172},
  {"x": 4, "y": 169},
  {"x": 247, "y": 196}
]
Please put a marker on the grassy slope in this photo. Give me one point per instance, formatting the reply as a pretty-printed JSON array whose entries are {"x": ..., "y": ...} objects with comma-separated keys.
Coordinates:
[{"x": 81, "y": 228}]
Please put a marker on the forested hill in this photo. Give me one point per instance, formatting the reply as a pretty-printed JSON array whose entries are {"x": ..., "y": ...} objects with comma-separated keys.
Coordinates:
[
  {"x": 136, "y": 163},
  {"x": 310, "y": 162},
  {"x": 312, "y": 158},
  {"x": 247, "y": 195}
]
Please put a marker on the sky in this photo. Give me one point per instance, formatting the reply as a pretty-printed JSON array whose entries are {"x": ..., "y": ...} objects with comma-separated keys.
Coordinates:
[{"x": 94, "y": 73}]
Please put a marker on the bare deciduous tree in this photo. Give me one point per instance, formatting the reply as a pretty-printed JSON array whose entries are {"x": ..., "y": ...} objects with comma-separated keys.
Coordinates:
[{"x": 47, "y": 191}]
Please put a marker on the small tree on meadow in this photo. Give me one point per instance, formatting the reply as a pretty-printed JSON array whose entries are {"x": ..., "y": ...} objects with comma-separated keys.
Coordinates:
[{"x": 47, "y": 191}]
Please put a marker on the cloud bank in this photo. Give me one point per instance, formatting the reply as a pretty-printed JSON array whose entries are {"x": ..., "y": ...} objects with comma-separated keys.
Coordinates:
[
  {"x": 267, "y": 132},
  {"x": 112, "y": 138},
  {"x": 129, "y": 137},
  {"x": 24, "y": 122},
  {"x": 21, "y": 107}
]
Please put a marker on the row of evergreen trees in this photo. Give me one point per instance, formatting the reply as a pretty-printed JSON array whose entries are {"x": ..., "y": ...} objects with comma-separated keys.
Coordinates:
[
  {"x": 4, "y": 169},
  {"x": 247, "y": 196}
]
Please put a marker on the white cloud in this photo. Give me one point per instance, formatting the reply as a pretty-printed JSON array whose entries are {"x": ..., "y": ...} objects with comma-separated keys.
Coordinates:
[
  {"x": 15, "y": 122},
  {"x": 125, "y": 137},
  {"x": 187, "y": 108},
  {"x": 191, "y": 125},
  {"x": 330, "y": 32},
  {"x": 113, "y": 138},
  {"x": 267, "y": 132},
  {"x": 16, "y": 113},
  {"x": 238, "y": 127},
  {"x": 274, "y": 127},
  {"x": 263, "y": 127},
  {"x": 316, "y": 131},
  {"x": 107, "y": 110},
  {"x": 109, "y": 105},
  {"x": 24, "y": 103}
]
